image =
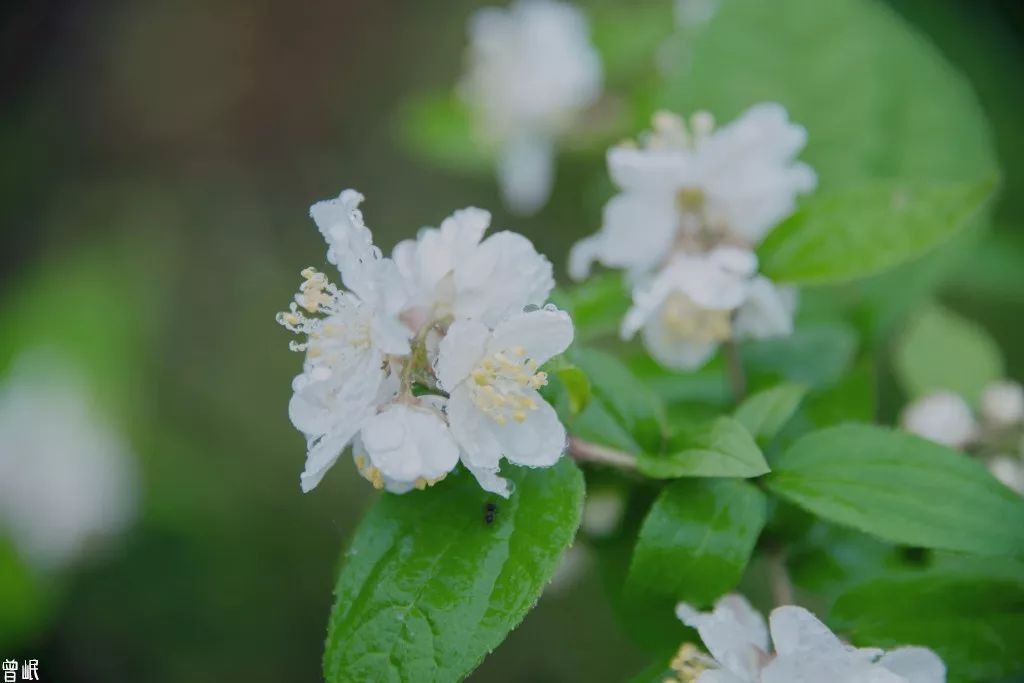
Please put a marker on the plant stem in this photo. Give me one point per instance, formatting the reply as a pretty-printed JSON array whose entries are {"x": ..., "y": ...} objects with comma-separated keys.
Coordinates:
[
  {"x": 737, "y": 375},
  {"x": 782, "y": 587},
  {"x": 584, "y": 451}
]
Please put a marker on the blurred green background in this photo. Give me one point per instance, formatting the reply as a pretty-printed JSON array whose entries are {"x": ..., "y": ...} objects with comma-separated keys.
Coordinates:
[{"x": 159, "y": 161}]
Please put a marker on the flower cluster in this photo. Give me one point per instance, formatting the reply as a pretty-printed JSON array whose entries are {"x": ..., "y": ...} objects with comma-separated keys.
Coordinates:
[
  {"x": 427, "y": 358},
  {"x": 996, "y": 435},
  {"x": 737, "y": 639},
  {"x": 531, "y": 71},
  {"x": 694, "y": 202}
]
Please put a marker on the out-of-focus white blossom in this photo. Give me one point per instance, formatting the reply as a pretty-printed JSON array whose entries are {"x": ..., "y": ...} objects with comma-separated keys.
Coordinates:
[
  {"x": 695, "y": 188},
  {"x": 942, "y": 417},
  {"x": 1002, "y": 404},
  {"x": 697, "y": 301},
  {"x": 1009, "y": 470},
  {"x": 531, "y": 70},
  {"x": 67, "y": 479},
  {"x": 395, "y": 328},
  {"x": 805, "y": 650},
  {"x": 767, "y": 311},
  {"x": 602, "y": 512},
  {"x": 693, "y": 203},
  {"x": 691, "y": 13}
]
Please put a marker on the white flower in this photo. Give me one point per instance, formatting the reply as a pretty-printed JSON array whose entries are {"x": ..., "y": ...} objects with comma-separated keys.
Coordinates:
[
  {"x": 344, "y": 372},
  {"x": 531, "y": 71},
  {"x": 369, "y": 377},
  {"x": 602, "y": 512},
  {"x": 690, "y": 13},
  {"x": 454, "y": 273},
  {"x": 697, "y": 301},
  {"x": 767, "y": 311},
  {"x": 1009, "y": 470},
  {"x": 942, "y": 417},
  {"x": 67, "y": 479},
  {"x": 693, "y": 204},
  {"x": 697, "y": 188},
  {"x": 1002, "y": 404},
  {"x": 494, "y": 409},
  {"x": 806, "y": 651}
]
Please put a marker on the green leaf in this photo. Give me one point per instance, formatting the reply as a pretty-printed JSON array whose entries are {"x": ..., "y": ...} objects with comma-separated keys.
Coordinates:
[
  {"x": 883, "y": 302},
  {"x": 428, "y": 587},
  {"x": 940, "y": 351},
  {"x": 1002, "y": 278},
  {"x": 438, "y": 128},
  {"x": 971, "y": 615},
  {"x": 658, "y": 671},
  {"x": 720, "y": 448},
  {"x": 815, "y": 355},
  {"x": 597, "y": 424},
  {"x": 859, "y": 231},
  {"x": 695, "y": 542},
  {"x": 576, "y": 385},
  {"x": 902, "y": 489},
  {"x": 766, "y": 412},
  {"x": 877, "y": 100},
  {"x": 26, "y": 604},
  {"x": 628, "y": 401},
  {"x": 851, "y": 399},
  {"x": 829, "y": 559},
  {"x": 708, "y": 385}
]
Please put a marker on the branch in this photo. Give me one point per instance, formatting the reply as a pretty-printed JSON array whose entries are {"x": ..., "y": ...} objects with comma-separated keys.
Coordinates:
[
  {"x": 782, "y": 587},
  {"x": 584, "y": 451},
  {"x": 737, "y": 375}
]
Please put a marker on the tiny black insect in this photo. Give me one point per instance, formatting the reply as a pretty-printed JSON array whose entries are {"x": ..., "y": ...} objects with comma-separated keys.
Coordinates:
[{"x": 490, "y": 511}]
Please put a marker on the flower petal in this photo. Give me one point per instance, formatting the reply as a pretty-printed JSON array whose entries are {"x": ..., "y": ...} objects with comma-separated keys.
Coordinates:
[
  {"x": 795, "y": 630},
  {"x": 537, "y": 441},
  {"x": 748, "y": 173},
  {"x": 500, "y": 278},
  {"x": 734, "y": 633},
  {"x": 543, "y": 334},
  {"x": 325, "y": 451},
  {"x": 943, "y": 417},
  {"x": 471, "y": 429},
  {"x": 583, "y": 254},
  {"x": 341, "y": 223},
  {"x": 407, "y": 443},
  {"x": 638, "y": 229},
  {"x": 526, "y": 169},
  {"x": 460, "y": 350},
  {"x": 318, "y": 405},
  {"x": 349, "y": 241},
  {"x": 490, "y": 481},
  {"x": 647, "y": 169},
  {"x": 718, "y": 280},
  {"x": 767, "y": 312},
  {"x": 722, "y": 676},
  {"x": 915, "y": 664},
  {"x": 674, "y": 353}
]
